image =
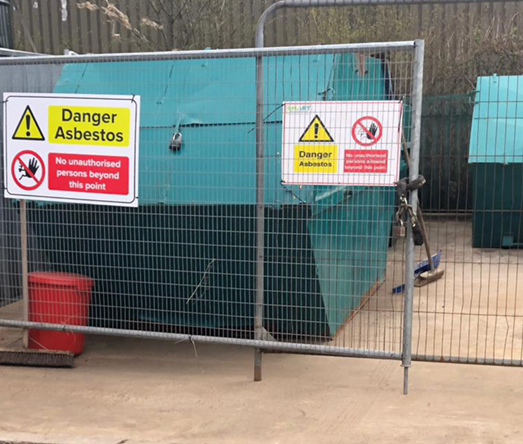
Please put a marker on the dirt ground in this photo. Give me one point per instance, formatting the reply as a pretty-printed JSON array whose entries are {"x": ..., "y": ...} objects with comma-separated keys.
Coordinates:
[{"x": 129, "y": 390}]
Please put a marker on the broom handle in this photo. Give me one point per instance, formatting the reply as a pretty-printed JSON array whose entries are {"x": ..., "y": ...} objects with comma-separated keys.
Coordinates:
[
  {"x": 425, "y": 238},
  {"x": 420, "y": 212}
]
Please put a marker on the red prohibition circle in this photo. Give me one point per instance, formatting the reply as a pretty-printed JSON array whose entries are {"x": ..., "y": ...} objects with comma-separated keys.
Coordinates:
[
  {"x": 17, "y": 158},
  {"x": 359, "y": 124}
]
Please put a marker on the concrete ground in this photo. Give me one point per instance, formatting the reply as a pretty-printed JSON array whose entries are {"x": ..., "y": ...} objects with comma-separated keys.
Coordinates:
[
  {"x": 128, "y": 390},
  {"x": 473, "y": 312}
]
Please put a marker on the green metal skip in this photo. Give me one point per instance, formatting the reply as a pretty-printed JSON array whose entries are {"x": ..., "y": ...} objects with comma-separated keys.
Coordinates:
[{"x": 186, "y": 256}]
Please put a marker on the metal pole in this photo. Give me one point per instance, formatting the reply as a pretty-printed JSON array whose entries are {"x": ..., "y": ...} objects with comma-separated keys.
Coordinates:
[
  {"x": 260, "y": 218},
  {"x": 260, "y": 195},
  {"x": 6, "y": 52},
  {"x": 200, "y": 54},
  {"x": 317, "y": 3},
  {"x": 417, "y": 98},
  {"x": 25, "y": 269}
]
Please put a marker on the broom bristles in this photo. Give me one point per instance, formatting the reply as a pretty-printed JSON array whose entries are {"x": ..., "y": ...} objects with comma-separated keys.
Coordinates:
[
  {"x": 429, "y": 276},
  {"x": 36, "y": 358}
]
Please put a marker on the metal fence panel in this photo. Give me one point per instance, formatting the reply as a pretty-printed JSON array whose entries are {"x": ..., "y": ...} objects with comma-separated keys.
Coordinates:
[
  {"x": 184, "y": 264},
  {"x": 472, "y": 158}
]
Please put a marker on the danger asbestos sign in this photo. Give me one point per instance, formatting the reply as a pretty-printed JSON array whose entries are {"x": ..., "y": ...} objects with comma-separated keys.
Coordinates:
[
  {"x": 82, "y": 125},
  {"x": 71, "y": 148},
  {"x": 342, "y": 143}
]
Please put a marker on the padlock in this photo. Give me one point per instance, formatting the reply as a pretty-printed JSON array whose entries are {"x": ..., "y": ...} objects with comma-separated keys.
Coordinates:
[
  {"x": 398, "y": 230},
  {"x": 176, "y": 142}
]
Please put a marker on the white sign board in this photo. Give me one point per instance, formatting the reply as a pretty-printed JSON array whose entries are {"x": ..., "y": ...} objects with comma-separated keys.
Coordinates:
[
  {"x": 342, "y": 143},
  {"x": 71, "y": 148}
]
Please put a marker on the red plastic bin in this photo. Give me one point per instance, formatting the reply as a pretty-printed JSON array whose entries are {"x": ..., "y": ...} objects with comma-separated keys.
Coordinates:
[{"x": 58, "y": 298}]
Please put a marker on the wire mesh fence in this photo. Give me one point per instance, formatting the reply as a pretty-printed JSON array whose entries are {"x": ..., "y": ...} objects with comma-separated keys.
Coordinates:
[
  {"x": 184, "y": 264},
  {"x": 473, "y": 159}
]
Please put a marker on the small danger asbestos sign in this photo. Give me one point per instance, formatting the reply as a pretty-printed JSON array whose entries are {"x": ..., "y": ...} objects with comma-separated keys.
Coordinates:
[
  {"x": 71, "y": 148},
  {"x": 341, "y": 143}
]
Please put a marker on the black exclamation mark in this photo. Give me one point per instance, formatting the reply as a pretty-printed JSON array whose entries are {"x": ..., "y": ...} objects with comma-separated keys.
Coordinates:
[
  {"x": 316, "y": 130},
  {"x": 28, "y": 125}
]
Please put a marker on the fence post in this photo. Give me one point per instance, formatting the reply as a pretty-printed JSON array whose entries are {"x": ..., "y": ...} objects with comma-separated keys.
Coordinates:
[
  {"x": 25, "y": 268},
  {"x": 260, "y": 188},
  {"x": 417, "y": 99}
]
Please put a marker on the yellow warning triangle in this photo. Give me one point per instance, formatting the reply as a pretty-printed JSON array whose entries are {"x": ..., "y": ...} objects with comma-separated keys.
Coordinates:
[
  {"x": 316, "y": 132},
  {"x": 28, "y": 128}
]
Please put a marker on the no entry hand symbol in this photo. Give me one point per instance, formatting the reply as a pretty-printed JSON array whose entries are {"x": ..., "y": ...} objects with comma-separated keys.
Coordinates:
[
  {"x": 28, "y": 170},
  {"x": 367, "y": 131}
]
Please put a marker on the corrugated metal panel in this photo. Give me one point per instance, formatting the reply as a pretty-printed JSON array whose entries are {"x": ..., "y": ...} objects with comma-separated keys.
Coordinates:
[
  {"x": 6, "y": 36},
  {"x": 91, "y": 31}
]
